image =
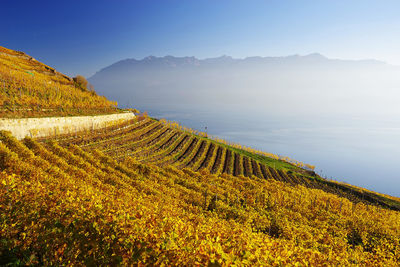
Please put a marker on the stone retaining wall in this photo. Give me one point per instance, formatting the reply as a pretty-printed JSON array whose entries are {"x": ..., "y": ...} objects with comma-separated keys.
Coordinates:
[{"x": 41, "y": 127}]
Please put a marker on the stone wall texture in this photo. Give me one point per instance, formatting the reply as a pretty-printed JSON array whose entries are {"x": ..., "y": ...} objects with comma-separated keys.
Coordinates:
[{"x": 50, "y": 126}]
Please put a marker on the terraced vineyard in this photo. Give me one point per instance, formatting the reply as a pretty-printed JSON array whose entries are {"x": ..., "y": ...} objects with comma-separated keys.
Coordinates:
[
  {"x": 85, "y": 201},
  {"x": 149, "y": 141}
]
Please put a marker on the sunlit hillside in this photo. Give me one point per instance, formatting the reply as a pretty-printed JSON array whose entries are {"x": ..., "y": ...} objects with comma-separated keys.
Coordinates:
[
  {"x": 150, "y": 192},
  {"x": 154, "y": 142},
  {"x": 77, "y": 202},
  {"x": 30, "y": 89}
]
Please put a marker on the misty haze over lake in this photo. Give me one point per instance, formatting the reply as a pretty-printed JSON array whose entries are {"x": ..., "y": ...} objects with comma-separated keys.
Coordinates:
[{"x": 339, "y": 115}]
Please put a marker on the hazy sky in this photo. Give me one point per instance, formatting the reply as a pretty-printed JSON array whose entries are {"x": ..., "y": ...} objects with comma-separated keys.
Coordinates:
[{"x": 84, "y": 36}]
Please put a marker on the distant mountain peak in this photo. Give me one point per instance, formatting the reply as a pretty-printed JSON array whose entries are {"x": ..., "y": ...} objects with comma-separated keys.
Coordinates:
[
  {"x": 149, "y": 58},
  {"x": 315, "y": 55},
  {"x": 226, "y": 57}
]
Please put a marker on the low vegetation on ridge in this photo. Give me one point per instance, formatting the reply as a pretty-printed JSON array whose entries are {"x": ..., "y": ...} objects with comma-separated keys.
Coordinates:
[{"x": 29, "y": 88}]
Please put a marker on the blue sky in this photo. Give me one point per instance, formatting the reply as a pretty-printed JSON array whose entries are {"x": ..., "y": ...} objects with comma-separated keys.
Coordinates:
[{"x": 81, "y": 37}]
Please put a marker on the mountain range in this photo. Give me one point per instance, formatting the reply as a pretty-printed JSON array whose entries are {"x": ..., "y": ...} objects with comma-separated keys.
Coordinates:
[
  {"x": 333, "y": 84},
  {"x": 228, "y": 61}
]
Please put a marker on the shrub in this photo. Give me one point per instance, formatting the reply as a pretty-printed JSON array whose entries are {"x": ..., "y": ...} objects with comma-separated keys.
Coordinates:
[{"x": 81, "y": 82}]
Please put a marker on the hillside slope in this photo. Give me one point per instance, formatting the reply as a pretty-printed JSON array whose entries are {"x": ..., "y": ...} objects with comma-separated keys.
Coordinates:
[
  {"x": 64, "y": 205},
  {"x": 146, "y": 193},
  {"x": 153, "y": 142},
  {"x": 30, "y": 89}
]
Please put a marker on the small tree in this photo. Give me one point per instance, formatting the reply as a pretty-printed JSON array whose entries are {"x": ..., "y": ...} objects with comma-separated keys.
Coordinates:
[{"x": 81, "y": 82}]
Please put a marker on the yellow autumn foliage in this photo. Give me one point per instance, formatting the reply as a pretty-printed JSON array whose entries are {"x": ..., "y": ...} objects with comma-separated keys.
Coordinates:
[
  {"x": 62, "y": 205},
  {"x": 30, "y": 88}
]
